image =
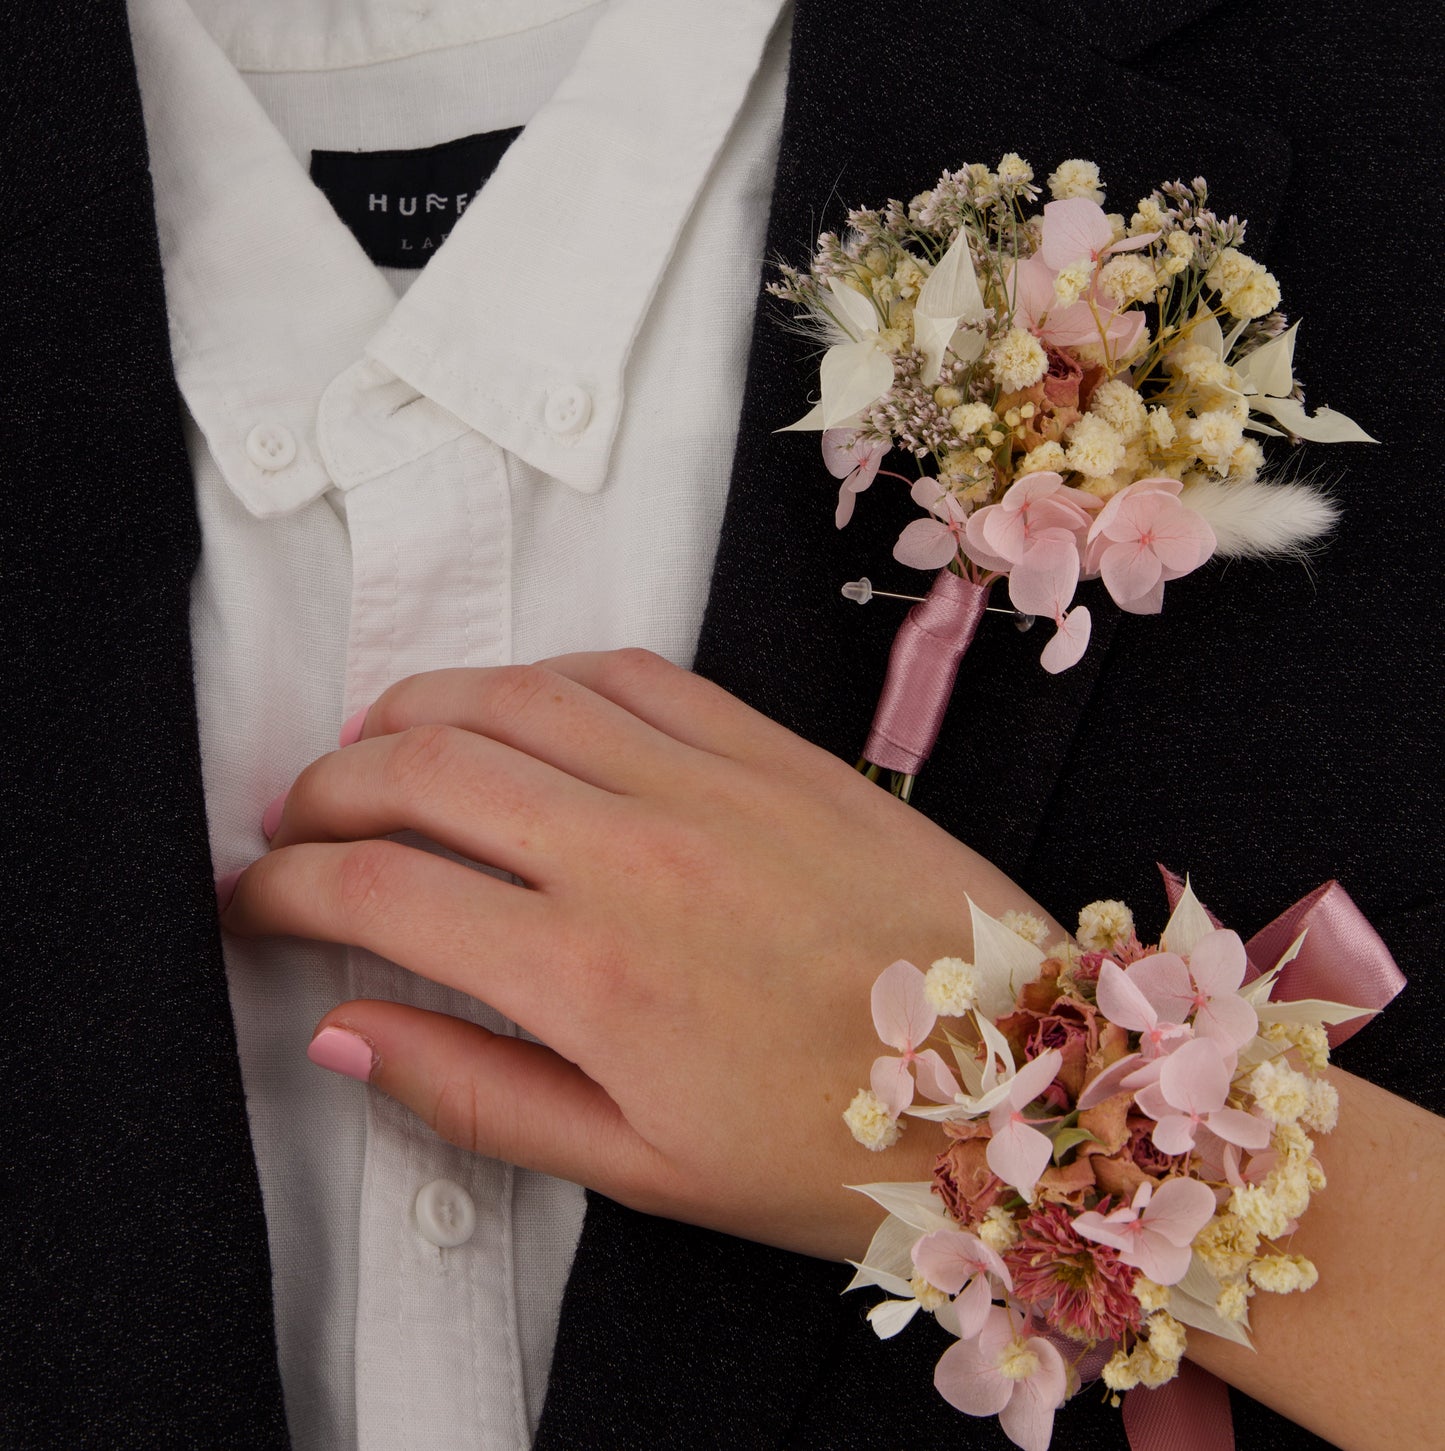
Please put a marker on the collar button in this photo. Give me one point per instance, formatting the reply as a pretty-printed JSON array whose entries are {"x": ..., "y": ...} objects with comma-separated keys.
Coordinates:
[
  {"x": 270, "y": 447},
  {"x": 568, "y": 409}
]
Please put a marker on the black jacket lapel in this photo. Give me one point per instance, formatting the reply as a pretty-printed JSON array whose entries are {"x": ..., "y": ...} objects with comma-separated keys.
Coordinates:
[
  {"x": 136, "y": 1307},
  {"x": 757, "y": 1349}
]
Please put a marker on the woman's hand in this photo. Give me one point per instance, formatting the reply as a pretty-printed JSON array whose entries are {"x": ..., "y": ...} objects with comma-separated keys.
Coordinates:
[{"x": 706, "y": 902}]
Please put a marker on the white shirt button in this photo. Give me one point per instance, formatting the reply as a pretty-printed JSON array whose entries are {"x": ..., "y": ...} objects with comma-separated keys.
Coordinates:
[
  {"x": 270, "y": 447},
  {"x": 568, "y": 409},
  {"x": 445, "y": 1214}
]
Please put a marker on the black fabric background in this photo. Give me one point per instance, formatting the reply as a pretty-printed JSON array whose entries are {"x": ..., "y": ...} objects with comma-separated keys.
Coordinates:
[{"x": 1274, "y": 727}]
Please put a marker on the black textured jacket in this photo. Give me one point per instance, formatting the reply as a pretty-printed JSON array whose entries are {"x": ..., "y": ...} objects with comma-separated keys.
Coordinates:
[{"x": 1276, "y": 726}]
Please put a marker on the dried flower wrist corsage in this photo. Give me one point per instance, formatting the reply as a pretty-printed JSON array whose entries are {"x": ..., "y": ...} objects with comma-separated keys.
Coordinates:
[
  {"x": 1076, "y": 390},
  {"x": 1130, "y": 1149}
]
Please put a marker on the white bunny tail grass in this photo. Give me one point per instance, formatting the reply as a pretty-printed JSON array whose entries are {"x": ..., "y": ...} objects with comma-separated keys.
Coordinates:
[{"x": 1258, "y": 520}]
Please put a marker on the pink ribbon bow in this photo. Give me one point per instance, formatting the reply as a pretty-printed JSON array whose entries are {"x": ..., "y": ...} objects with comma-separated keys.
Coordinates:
[{"x": 1342, "y": 960}]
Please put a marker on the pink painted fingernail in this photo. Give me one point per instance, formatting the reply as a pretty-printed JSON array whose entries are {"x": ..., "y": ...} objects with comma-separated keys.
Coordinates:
[
  {"x": 226, "y": 889},
  {"x": 272, "y": 818},
  {"x": 341, "y": 1052},
  {"x": 351, "y": 731}
]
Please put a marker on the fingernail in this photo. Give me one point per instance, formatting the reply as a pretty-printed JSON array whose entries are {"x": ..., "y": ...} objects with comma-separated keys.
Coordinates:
[
  {"x": 272, "y": 818},
  {"x": 351, "y": 731},
  {"x": 226, "y": 889},
  {"x": 341, "y": 1052}
]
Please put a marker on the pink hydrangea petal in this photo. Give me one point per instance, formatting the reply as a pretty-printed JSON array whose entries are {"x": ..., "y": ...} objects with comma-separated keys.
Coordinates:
[
  {"x": 892, "y": 1082},
  {"x": 868, "y": 467},
  {"x": 1131, "y": 244},
  {"x": 901, "y": 1012},
  {"x": 846, "y": 499},
  {"x": 1018, "y": 1154},
  {"x": 1179, "y": 1209},
  {"x": 1005, "y": 531},
  {"x": 1195, "y": 1077},
  {"x": 1122, "y": 1001},
  {"x": 1109, "y": 1082},
  {"x": 1149, "y": 603},
  {"x": 976, "y": 545},
  {"x": 838, "y": 456},
  {"x": 1069, "y": 642},
  {"x": 1027, "y": 488},
  {"x": 1104, "y": 1229},
  {"x": 1163, "y": 1262},
  {"x": 1028, "y": 1419},
  {"x": 1228, "y": 1020},
  {"x": 1174, "y": 1134},
  {"x": 1074, "y": 326},
  {"x": 1237, "y": 1127},
  {"x": 925, "y": 544},
  {"x": 935, "y": 1082},
  {"x": 1073, "y": 229},
  {"x": 1034, "y": 1077},
  {"x": 1129, "y": 571},
  {"x": 1183, "y": 541},
  {"x": 947, "y": 1258},
  {"x": 1218, "y": 962},
  {"x": 972, "y": 1307},
  {"x": 1031, "y": 285},
  {"x": 1044, "y": 580},
  {"x": 967, "y": 1374},
  {"x": 1124, "y": 330},
  {"x": 1150, "y": 1100},
  {"x": 1163, "y": 978}
]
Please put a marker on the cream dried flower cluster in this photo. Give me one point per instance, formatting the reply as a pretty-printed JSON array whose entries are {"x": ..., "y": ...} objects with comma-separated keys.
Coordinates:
[
  {"x": 1135, "y": 361},
  {"x": 1129, "y": 1151}
]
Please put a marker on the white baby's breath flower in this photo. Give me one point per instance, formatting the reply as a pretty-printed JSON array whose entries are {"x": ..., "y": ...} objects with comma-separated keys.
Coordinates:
[
  {"x": 868, "y": 1121},
  {"x": 1119, "y": 1373},
  {"x": 1244, "y": 286},
  {"x": 1166, "y": 1336},
  {"x": 1148, "y": 217},
  {"x": 1322, "y": 1111},
  {"x": 1018, "y": 1362},
  {"x": 951, "y": 987},
  {"x": 1245, "y": 463},
  {"x": 1104, "y": 925},
  {"x": 1076, "y": 177},
  {"x": 998, "y": 1230},
  {"x": 1095, "y": 449},
  {"x": 1180, "y": 244},
  {"x": 1018, "y": 360},
  {"x": 1152, "y": 1368},
  {"x": 1233, "y": 1301},
  {"x": 1121, "y": 408},
  {"x": 947, "y": 397},
  {"x": 1259, "y": 1209},
  {"x": 1047, "y": 457},
  {"x": 1070, "y": 282},
  {"x": 929, "y": 1296},
  {"x": 1258, "y": 296},
  {"x": 1027, "y": 926},
  {"x": 1226, "y": 1245},
  {"x": 1281, "y": 1091},
  {"x": 1151, "y": 1296},
  {"x": 1310, "y": 1038},
  {"x": 1283, "y": 1274}
]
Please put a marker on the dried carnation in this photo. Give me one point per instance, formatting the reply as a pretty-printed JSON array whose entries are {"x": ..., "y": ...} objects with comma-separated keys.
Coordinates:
[
  {"x": 951, "y": 987},
  {"x": 1076, "y": 177},
  {"x": 1079, "y": 1287},
  {"x": 1105, "y": 925},
  {"x": 1027, "y": 926},
  {"x": 869, "y": 1121}
]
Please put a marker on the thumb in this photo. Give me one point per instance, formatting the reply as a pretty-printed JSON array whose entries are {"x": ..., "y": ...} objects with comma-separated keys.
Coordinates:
[{"x": 503, "y": 1097}]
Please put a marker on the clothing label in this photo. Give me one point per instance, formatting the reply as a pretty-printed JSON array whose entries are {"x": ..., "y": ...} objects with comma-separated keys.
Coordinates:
[{"x": 400, "y": 205}]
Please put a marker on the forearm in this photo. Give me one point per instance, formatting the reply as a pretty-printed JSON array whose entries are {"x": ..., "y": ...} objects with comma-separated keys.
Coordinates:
[{"x": 1356, "y": 1359}]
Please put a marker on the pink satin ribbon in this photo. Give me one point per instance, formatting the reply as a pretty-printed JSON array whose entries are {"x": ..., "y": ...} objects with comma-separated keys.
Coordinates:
[
  {"x": 922, "y": 668},
  {"x": 1342, "y": 960}
]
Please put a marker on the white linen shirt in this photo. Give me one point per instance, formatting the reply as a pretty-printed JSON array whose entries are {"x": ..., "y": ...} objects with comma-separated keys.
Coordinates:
[{"x": 526, "y": 454}]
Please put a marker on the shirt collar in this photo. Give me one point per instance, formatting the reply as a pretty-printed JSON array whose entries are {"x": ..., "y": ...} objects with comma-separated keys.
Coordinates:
[{"x": 519, "y": 327}]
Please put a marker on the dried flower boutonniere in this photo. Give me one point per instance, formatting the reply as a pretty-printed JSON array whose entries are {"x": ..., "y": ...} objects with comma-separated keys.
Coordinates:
[{"x": 1083, "y": 396}]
